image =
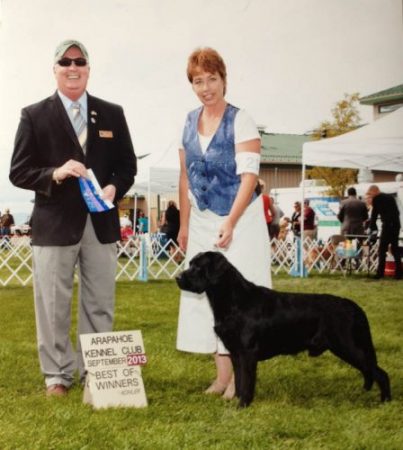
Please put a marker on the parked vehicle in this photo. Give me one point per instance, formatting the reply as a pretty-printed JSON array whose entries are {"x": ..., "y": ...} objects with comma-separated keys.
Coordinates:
[{"x": 22, "y": 229}]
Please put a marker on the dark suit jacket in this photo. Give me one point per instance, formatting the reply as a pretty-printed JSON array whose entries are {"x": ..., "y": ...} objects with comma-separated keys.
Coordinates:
[
  {"x": 353, "y": 213},
  {"x": 385, "y": 206},
  {"x": 45, "y": 140}
]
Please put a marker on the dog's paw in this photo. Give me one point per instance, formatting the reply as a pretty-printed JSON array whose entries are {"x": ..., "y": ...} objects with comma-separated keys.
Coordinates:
[{"x": 244, "y": 403}]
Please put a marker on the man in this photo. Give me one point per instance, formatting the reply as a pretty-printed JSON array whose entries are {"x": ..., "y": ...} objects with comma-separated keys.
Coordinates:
[
  {"x": 352, "y": 215},
  {"x": 6, "y": 221},
  {"x": 296, "y": 220},
  {"x": 309, "y": 221},
  {"x": 384, "y": 205},
  {"x": 51, "y": 152}
]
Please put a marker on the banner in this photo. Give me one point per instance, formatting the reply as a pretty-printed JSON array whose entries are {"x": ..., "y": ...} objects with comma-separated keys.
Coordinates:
[
  {"x": 92, "y": 193},
  {"x": 113, "y": 363}
]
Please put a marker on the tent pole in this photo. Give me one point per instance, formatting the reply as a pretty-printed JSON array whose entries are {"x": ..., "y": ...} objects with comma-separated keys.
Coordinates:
[
  {"x": 149, "y": 219},
  {"x": 301, "y": 263},
  {"x": 135, "y": 213},
  {"x": 149, "y": 200},
  {"x": 158, "y": 208}
]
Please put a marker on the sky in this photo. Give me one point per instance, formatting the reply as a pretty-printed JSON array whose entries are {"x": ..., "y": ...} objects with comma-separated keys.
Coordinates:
[{"x": 288, "y": 61}]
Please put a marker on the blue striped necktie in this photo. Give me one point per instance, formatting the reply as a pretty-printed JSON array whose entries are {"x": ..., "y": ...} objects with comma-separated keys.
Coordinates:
[{"x": 80, "y": 125}]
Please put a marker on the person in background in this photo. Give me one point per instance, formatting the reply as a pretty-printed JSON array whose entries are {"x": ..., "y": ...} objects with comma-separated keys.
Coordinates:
[
  {"x": 6, "y": 222},
  {"x": 143, "y": 223},
  {"x": 268, "y": 206},
  {"x": 125, "y": 221},
  {"x": 126, "y": 232},
  {"x": 385, "y": 207},
  {"x": 56, "y": 141},
  {"x": 277, "y": 214},
  {"x": 136, "y": 218},
  {"x": 172, "y": 225},
  {"x": 219, "y": 208},
  {"x": 284, "y": 225},
  {"x": 353, "y": 214},
  {"x": 296, "y": 220},
  {"x": 309, "y": 221}
]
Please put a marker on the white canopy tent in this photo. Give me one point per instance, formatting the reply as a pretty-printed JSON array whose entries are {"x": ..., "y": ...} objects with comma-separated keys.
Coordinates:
[
  {"x": 377, "y": 146},
  {"x": 160, "y": 180},
  {"x": 158, "y": 176}
]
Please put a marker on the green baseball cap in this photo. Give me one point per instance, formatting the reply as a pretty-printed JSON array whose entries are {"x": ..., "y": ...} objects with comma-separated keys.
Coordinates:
[{"x": 62, "y": 48}]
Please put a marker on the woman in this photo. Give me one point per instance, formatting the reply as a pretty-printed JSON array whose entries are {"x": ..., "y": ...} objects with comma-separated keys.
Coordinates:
[
  {"x": 172, "y": 220},
  {"x": 219, "y": 209}
]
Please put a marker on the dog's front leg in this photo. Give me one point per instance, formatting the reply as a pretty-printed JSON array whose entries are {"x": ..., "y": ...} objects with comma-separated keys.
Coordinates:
[
  {"x": 247, "y": 381},
  {"x": 237, "y": 373}
]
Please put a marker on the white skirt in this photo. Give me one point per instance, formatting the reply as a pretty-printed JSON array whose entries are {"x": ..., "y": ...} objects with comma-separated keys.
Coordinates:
[{"x": 249, "y": 252}]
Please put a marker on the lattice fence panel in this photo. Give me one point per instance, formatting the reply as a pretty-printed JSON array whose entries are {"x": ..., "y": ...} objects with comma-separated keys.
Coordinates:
[{"x": 164, "y": 260}]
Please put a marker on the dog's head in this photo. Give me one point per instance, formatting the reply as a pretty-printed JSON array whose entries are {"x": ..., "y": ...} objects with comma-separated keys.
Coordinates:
[{"x": 205, "y": 269}]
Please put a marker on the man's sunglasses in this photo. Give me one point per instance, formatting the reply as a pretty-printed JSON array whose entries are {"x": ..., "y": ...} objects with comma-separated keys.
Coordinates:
[{"x": 66, "y": 62}]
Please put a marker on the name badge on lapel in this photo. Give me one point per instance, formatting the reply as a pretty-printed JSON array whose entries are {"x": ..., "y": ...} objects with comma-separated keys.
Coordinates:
[{"x": 108, "y": 134}]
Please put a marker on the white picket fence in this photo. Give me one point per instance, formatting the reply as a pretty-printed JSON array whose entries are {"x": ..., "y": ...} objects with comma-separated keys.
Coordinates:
[{"x": 148, "y": 257}]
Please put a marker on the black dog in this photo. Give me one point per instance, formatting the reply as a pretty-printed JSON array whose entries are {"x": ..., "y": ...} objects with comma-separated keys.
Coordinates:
[{"x": 256, "y": 323}]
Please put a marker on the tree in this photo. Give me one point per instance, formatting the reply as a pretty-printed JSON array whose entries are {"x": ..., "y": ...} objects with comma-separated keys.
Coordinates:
[
  {"x": 337, "y": 179},
  {"x": 345, "y": 118}
]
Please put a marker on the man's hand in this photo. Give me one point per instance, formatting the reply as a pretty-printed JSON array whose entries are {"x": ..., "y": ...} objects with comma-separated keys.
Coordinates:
[
  {"x": 109, "y": 192},
  {"x": 71, "y": 168}
]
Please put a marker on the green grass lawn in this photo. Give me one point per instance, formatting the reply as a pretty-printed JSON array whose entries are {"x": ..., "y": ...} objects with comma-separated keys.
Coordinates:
[{"x": 300, "y": 403}]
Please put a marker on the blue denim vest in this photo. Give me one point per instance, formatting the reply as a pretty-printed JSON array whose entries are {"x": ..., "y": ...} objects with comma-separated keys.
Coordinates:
[{"x": 212, "y": 176}]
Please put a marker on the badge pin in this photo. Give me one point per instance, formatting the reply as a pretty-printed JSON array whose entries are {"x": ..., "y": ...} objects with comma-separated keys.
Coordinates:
[{"x": 106, "y": 134}]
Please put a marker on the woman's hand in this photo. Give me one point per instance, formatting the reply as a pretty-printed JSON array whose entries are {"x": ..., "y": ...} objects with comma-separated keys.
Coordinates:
[
  {"x": 183, "y": 236},
  {"x": 225, "y": 234}
]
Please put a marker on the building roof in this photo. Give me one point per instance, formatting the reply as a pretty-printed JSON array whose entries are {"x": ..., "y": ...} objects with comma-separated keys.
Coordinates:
[
  {"x": 387, "y": 95},
  {"x": 282, "y": 148}
]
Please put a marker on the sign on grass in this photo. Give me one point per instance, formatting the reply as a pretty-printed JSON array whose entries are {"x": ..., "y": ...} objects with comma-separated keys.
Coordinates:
[{"x": 113, "y": 363}]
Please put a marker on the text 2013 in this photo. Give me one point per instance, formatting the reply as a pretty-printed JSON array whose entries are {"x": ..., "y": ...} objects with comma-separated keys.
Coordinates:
[{"x": 136, "y": 360}]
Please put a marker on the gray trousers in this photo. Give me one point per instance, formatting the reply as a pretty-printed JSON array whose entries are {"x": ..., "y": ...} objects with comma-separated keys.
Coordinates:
[{"x": 54, "y": 269}]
